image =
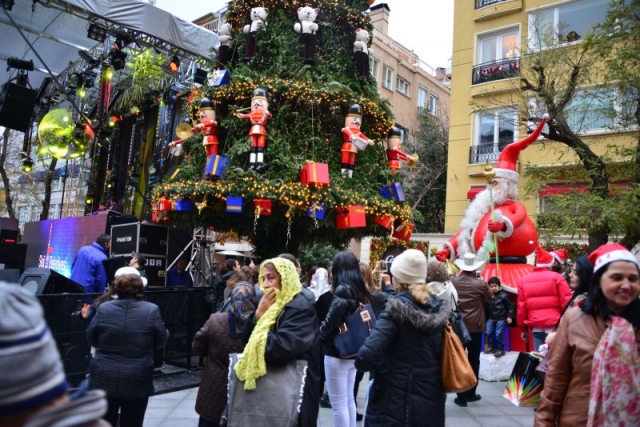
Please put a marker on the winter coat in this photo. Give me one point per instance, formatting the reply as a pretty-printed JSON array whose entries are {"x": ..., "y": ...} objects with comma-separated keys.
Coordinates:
[
  {"x": 567, "y": 385},
  {"x": 342, "y": 305},
  {"x": 499, "y": 308},
  {"x": 215, "y": 340},
  {"x": 125, "y": 332},
  {"x": 219, "y": 285},
  {"x": 404, "y": 350},
  {"x": 87, "y": 269},
  {"x": 542, "y": 296},
  {"x": 82, "y": 412},
  {"x": 295, "y": 336},
  {"x": 472, "y": 294}
]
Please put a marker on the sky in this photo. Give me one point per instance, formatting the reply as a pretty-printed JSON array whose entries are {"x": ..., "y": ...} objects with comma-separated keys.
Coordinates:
[{"x": 424, "y": 27}]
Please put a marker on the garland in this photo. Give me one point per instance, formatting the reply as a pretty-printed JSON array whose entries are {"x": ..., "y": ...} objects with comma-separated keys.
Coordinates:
[{"x": 379, "y": 246}]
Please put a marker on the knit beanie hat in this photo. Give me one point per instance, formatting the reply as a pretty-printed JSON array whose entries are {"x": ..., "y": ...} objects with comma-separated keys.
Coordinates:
[
  {"x": 31, "y": 374},
  {"x": 410, "y": 267}
]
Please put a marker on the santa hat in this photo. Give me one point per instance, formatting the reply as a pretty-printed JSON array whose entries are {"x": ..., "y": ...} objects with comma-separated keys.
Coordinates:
[
  {"x": 543, "y": 258},
  {"x": 506, "y": 166},
  {"x": 560, "y": 255},
  {"x": 611, "y": 252}
]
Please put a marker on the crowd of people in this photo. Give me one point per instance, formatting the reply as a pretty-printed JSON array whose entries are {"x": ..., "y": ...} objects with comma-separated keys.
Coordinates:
[{"x": 273, "y": 315}]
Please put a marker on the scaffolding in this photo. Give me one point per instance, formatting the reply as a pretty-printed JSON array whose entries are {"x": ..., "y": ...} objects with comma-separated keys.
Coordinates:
[{"x": 200, "y": 265}]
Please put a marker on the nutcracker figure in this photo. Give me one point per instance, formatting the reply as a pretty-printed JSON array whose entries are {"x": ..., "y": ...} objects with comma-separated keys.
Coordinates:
[
  {"x": 208, "y": 126},
  {"x": 353, "y": 140},
  {"x": 394, "y": 150},
  {"x": 259, "y": 116}
]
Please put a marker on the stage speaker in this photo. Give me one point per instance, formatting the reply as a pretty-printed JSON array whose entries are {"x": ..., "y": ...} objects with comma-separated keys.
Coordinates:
[
  {"x": 16, "y": 106},
  {"x": 8, "y": 230},
  {"x": 111, "y": 265},
  {"x": 13, "y": 255},
  {"x": 39, "y": 281}
]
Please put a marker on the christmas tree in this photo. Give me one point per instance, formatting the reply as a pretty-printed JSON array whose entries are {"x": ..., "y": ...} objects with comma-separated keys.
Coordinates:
[{"x": 310, "y": 90}]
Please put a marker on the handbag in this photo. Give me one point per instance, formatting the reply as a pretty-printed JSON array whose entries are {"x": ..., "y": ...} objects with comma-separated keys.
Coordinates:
[
  {"x": 457, "y": 323},
  {"x": 354, "y": 331},
  {"x": 276, "y": 400},
  {"x": 455, "y": 369}
]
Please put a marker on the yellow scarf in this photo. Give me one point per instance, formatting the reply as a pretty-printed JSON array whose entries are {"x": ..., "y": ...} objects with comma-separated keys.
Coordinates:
[{"x": 252, "y": 364}]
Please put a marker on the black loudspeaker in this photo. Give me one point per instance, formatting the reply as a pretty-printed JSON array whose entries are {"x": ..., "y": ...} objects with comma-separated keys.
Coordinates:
[
  {"x": 13, "y": 255},
  {"x": 39, "y": 281},
  {"x": 111, "y": 265},
  {"x": 8, "y": 230},
  {"x": 16, "y": 106}
]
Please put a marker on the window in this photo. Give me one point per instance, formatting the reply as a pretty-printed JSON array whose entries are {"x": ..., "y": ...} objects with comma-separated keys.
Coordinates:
[
  {"x": 494, "y": 130},
  {"x": 387, "y": 77},
  {"x": 404, "y": 133},
  {"x": 497, "y": 46},
  {"x": 433, "y": 104},
  {"x": 402, "y": 86},
  {"x": 566, "y": 23},
  {"x": 422, "y": 97},
  {"x": 55, "y": 184},
  {"x": 374, "y": 66},
  {"x": 591, "y": 110},
  {"x": 24, "y": 214}
]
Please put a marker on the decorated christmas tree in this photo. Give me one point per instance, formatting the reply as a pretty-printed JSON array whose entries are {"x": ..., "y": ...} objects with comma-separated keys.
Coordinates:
[{"x": 298, "y": 90}]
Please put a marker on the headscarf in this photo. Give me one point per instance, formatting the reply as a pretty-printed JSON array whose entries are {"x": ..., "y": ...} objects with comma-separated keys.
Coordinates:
[
  {"x": 243, "y": 303},
  {"x": 252, "y": 365},
  {"x": 320, "y": 283}
]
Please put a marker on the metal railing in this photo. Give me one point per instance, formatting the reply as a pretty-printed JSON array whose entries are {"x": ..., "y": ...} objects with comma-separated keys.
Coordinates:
[
  {"x": 482, "y": 153},
  {"x": 495, "y": 70},
  {"x": 484, "y": 3}
]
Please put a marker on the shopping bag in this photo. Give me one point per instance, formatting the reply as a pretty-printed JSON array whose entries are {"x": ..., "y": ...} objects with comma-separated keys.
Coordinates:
[
  {"x": 455, "y": 369},
  {"x": 524, "y": 386},
  {"x": 276, "y": 400},
  {"x": 354, "y": 331}
]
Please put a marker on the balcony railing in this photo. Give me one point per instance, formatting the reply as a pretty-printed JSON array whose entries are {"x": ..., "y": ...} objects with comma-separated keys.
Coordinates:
[
  {"x": 495, "y": 70},
  {"x": 484, "y": 3},
  {"x": 482, "y": 153}
]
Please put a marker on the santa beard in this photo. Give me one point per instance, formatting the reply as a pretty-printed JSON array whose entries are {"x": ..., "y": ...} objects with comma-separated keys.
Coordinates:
[{"x": 478, "y": 208}]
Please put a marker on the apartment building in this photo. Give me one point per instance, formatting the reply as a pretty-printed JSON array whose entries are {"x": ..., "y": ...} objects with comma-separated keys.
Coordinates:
[{"x": 491, "y": 38}]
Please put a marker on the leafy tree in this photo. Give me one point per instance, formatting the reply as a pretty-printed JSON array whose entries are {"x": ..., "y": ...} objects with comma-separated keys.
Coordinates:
[{"x": 309, "y": 104}]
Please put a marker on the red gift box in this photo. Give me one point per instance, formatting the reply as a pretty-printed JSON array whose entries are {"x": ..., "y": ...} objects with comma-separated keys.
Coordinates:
[
  {"x": 351, "y": 217},
  {"x": 385, "y": 221},
  {"x": 404, "y": 232},
  {"x": 315, "y": 174},
  {"x": 165, "y": 205},
  {"x": 263, "y": 206}
]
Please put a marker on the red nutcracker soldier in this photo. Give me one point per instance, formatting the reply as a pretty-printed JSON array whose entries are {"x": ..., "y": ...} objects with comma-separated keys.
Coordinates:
[
  {"x": 394, "y": 151},
  {"x": 353, "y": 140},
  {"x": 259, "y": 116},
  {"x": 207, "y": 125}
]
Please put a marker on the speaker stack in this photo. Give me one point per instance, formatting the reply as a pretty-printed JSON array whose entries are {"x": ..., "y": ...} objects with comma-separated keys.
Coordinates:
[
  {"x": 16, "y": 106},
  {"x": 42, "y": 281}
]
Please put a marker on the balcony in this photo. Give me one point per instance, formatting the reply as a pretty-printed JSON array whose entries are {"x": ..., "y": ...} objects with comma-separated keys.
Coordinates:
[
  {"x": 495, "y": 70},
  {"x": 482, "y": 153},
  {"x": 484, "y": 3},
  {"x": 489, "y": 9}
]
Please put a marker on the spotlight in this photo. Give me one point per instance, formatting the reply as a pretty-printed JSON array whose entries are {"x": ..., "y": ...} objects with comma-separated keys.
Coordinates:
[
  {"x": 97, "y": 33},
  {"x": 7, "y": 4},
  {"x": 89, "y": 199},
  {"x": 27, "y": 165},
  {"x": 174, "y": 65},
  {"x": 118, "y": 59},
  {"x": 20, "y": 64},
  {"x": 200, "y": 76}
]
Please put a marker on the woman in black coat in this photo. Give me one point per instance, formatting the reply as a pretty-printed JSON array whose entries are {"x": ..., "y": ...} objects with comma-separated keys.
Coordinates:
[
  {"x": 404, "y": 350},
  {"x": 124, "y": 332},
  {"x": 226, "y": 270}
]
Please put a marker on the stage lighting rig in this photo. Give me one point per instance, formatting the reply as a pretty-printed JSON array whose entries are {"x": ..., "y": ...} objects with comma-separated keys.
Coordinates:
[
  {"x": 97, "y": 33},
  {"x": 118, "y": 59},
  {"x": 174, "y": 65},
  {"x": 19, "y": 64},
  {"x": 7, "y": 4},
  {"x": 200, "y": 76}
]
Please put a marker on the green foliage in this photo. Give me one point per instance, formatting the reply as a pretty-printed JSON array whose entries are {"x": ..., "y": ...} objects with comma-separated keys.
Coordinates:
[{"x": 319, "y": 254}]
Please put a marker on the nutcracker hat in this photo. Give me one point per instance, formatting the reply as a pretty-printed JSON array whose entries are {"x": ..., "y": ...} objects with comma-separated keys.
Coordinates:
[
  {"x": 609, "y": 253},
  {"x": 560, "y": 255},
  {"x": 355, "y": 111},
  {"x": 395, "y": 133},
  {"x": 508, "y": 159},
  {"x": 206, "y": 104},
  {"x": 469, "y": 262},
  {"x": 259, "y": 93},
  {"x": 543, "y": 258}
]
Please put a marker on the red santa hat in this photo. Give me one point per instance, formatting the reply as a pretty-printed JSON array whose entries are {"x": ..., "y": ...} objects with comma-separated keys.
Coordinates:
[
  {"x": 560, "y": 255},
  {"x": 508, "y": 159},
  {"x": 609, "y": 253},
  {"x": 543, "y": 258}
]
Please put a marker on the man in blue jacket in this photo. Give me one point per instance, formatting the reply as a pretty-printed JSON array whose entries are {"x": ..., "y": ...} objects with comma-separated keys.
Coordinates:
[{"x": 87, "y": 268}]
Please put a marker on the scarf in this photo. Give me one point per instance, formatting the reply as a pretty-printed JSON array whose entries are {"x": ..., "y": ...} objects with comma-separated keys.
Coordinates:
[
  {"x": 615, "y": 378},
  {"x": 252, "y": 365},
  {"x": 320, "y": 283}
]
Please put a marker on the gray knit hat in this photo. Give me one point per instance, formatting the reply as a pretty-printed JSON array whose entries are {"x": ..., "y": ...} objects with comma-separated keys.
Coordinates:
[
  {"x": 31, "y": 374},
  {"x": 410, "y": 267}
]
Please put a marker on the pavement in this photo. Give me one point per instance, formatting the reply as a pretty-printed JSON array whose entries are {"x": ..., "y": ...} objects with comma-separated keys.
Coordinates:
[{"x": 176, "y": 409}]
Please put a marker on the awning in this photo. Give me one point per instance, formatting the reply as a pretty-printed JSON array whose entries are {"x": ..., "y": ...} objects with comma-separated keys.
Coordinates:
[
  {"x": 554, "y": 189},
  {"x": 473, "y": 191},
  {"x": 230, "y": 253}
]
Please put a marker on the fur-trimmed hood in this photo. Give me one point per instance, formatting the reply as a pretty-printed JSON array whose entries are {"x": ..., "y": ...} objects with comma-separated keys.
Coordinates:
[{"x": 425, "y": 318}]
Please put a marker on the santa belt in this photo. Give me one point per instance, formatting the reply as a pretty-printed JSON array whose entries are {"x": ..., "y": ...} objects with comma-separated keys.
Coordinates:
[{"x": 509, "y": 260}]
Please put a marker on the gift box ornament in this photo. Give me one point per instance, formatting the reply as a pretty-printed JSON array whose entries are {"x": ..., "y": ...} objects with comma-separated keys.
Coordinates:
[
  {"x": 316, "y": 211},
  {"x": 184, "y": 205},
  {"x": 385, "y": 221},
  {"x": 404, "y": 232},
  {"x": 351, "y": 217},
  {"x": 215, "y": 167},
  {"x": 234, "y": 204},
  {"x": 165, "y": 205},
  {"x": 393, "y": 192},
  {"x": 262, "y": 206},
  {"x": 315, "y": 174}
]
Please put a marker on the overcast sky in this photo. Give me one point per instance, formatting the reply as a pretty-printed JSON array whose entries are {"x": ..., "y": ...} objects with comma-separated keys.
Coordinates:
[{"x": 426, "y": 27}]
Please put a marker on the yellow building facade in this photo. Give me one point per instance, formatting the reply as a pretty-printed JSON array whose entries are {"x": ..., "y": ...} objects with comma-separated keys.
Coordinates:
[{"x": 490, "y": 39}]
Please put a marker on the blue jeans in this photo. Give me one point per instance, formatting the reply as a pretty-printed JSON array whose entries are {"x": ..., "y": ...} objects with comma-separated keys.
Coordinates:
[
  {"x": 494, "y": 334},
  {"x": 538, "y": 339}
]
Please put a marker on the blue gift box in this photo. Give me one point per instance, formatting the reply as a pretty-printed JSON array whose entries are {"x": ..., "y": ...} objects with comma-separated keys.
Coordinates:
[
  {"x": 234, "y": 204},
  {"x": 316, "y": 210},
  {"x": 184, "y": 205},
  {"x": 220, "y": 78},
  {"x": 393, "y": 191},
  {"x": 215, "y": 167}
]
